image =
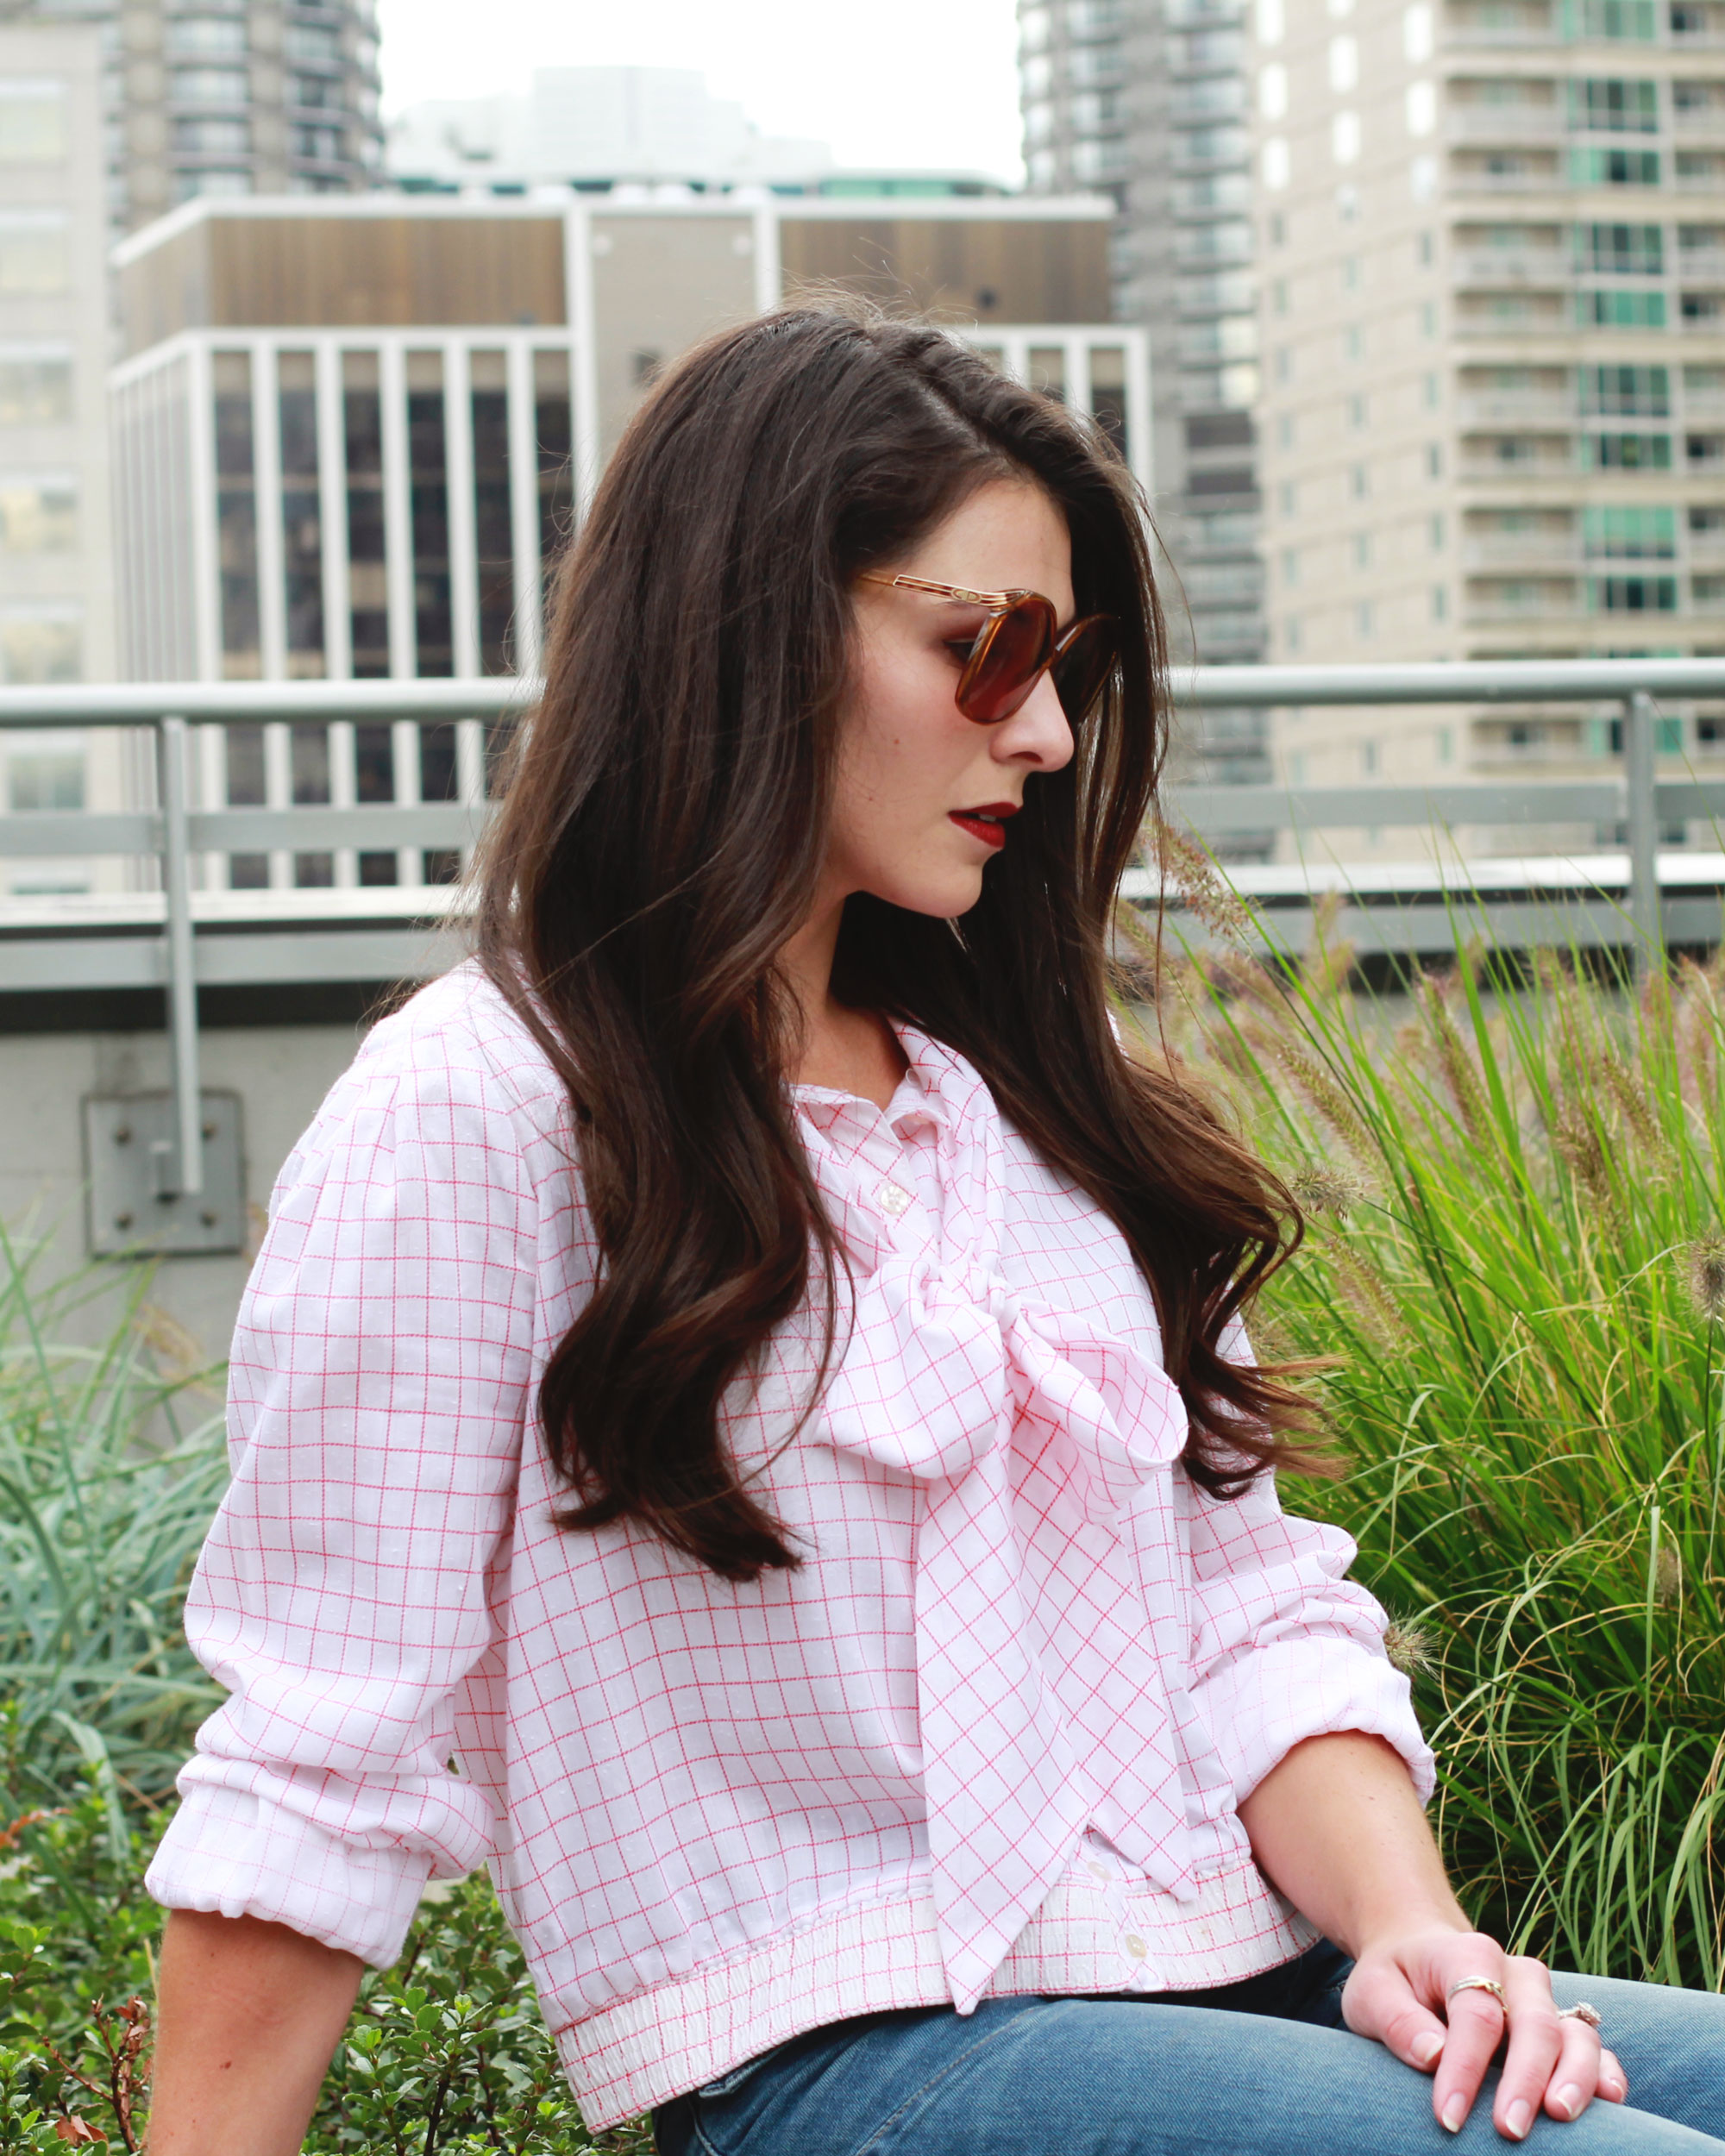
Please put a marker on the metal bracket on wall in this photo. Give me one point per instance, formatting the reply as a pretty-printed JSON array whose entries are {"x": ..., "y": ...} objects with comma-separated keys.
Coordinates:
[{"x": 139, "y": 1207}]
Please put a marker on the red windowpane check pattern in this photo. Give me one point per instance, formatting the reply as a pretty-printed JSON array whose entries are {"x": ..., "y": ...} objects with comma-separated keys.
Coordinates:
[{"x": 990, "y": 1736}]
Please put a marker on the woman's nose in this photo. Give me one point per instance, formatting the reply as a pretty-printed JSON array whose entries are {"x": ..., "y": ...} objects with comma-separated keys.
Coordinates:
[{"x": 1037, "y": 733}]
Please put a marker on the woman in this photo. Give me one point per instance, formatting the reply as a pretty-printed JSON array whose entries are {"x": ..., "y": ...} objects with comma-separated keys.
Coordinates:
[{"x": 752, "y": 1372}]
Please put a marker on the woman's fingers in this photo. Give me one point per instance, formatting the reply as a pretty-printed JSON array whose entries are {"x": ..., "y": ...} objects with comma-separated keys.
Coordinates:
[
  {"x": 1613, "y": 2083},
  {"x": 1538, "y": 2040},
  {"x": 1475, "y": 2032},
  {"x": 1579, "y": 2076}
]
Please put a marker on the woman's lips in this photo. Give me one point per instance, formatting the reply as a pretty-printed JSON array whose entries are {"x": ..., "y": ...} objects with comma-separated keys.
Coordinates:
[{"x": 987, "y": 823}]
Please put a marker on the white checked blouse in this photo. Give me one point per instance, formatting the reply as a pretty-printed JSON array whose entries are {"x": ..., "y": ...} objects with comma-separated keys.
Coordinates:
[{"x": 989, "y": 1737}]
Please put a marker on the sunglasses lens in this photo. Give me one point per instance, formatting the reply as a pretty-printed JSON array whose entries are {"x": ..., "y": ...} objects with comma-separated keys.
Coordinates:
[
  {"x": 1082, "y": 671},
  {"x": 1009, "y": 655}
]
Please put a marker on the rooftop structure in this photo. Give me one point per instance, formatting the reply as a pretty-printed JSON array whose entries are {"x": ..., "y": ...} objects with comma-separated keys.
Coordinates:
[
  {"x": 594, "y": 126},
  {"x": 353, "y": 436}
]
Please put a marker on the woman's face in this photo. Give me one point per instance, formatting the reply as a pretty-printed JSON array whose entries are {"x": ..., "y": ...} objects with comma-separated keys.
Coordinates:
[{"x": 925, "y": 796}]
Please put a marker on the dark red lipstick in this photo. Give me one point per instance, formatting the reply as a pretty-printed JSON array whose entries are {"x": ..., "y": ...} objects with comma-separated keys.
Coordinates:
[{"x": 987, "y": 824}]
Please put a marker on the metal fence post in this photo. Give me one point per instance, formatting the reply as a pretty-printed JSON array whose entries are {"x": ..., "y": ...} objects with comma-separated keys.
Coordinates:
[
  {"x": 182, "y": 978},
  {"x": 1645, "y": 909}
]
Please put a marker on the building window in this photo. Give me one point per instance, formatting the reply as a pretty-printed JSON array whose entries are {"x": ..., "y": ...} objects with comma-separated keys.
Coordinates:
[
  {"x": 1435, "y": 460},
  {"x": 209, "y": 86},
  {"x": 212, "y": 138},
  {"x": 301, "y": 517},
  {"x": 1368, "y": 759},
  {"x": 1359, "y": 482},
  {"x": 1362, "y": 550},
  {"x": 38, "y": 515},
  {"x": 33, "y": 125},
  {"x": 323, "y": 146},
  {"x": 45, "y": 779},
  {"x": 1614, "y": 107},
  {"x": 35, "y": 388},
  {"x": 1590, "y": 165},
  {"x": 196, "y": 36},
  {"x": 1344, "y": 137},
  {"x": 1290, "y": 565},
  {"x": 313, "y": 45},
  {"x": 40, "y": 645},
  {"x": 1434, "y": 532},
  {"x": 34, "y": 258},
  {"x": 1440, "y": 602},
  {"x": 1627, "y": 389},
  {"x": 1632, "y": 594},
  {"x": 1630, "y": 21},
  {"x": 1629, "y": 452},
  {"x": 1630, "y": 532},
  {"x": 212, "y": 180},
  {"x": 1621, "y": 309},
  {"x": 1620, "y": 250},
  {"x": 237, "y": 518},
  {"x": 315, "y": 92},
  {"x": 1355, "y": 411}
]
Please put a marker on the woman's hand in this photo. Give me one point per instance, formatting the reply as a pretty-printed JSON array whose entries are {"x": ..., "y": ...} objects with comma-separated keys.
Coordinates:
[
  {"x": 1399, "y": 1993},
  {"x": 1337, "y": 1826}
]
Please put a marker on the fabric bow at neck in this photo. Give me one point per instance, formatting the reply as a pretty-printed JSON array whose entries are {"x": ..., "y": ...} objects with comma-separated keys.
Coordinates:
[{"x": 951, "y": 1377}]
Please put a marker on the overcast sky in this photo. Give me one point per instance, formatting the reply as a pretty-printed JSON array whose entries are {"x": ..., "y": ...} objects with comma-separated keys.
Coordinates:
[{"x": 894, "y": 83}]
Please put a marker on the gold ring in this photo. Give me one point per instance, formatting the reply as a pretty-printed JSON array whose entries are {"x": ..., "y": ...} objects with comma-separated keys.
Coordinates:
[
  {"x": 1580, "y": 2012},
  {"x": 1476, "y": 1984}
]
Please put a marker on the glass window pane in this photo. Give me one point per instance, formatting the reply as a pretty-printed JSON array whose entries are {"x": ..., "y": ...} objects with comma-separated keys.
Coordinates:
[
  {"x": 429, "y": 480},
  {"x": 33, "y": 124},
  {"x": 41, "y": 646}
]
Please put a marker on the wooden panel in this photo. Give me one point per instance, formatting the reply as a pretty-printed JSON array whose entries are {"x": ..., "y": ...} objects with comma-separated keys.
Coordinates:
[
  {"x": 967, "y": 269},
  {"x": 349, "y": 272},
  {"x": 166, "y": 291}
]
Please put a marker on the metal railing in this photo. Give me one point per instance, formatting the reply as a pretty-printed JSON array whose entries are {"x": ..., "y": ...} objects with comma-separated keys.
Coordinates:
[{"x": 161, "y": 946}]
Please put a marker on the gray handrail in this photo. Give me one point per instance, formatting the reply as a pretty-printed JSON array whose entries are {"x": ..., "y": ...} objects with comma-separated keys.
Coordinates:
[{"x": 175, "y": 832}]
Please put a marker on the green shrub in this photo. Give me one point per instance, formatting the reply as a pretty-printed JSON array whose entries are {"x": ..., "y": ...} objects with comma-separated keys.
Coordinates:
[
  {"x": 446, "y": 2053},
  {"x": 1513, "y": 1200}
]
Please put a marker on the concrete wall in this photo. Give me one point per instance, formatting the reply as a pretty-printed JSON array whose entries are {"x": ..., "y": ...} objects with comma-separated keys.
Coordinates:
[{"x": 281, "y": 1073}]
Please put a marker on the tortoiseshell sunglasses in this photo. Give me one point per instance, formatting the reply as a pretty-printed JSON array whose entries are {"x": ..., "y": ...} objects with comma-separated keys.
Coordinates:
[{"x": 1021, "y": 641}]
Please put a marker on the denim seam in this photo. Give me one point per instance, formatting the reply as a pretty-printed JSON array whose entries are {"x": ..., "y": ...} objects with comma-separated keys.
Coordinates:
[{"x": 915, "y": 2095}]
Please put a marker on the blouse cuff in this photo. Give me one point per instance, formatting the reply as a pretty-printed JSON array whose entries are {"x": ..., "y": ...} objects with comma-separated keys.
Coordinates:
[
  {"x": 1287, "y": 1692},
  {"x": 233, "y": 1853}
]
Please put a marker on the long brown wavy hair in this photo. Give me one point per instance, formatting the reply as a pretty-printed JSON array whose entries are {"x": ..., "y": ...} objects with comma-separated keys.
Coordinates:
[{"x": 661, "y": 843}]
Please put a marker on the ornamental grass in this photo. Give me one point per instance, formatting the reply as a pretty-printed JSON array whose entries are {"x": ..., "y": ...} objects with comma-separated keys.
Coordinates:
[{"x": 1514, "y": 1276}]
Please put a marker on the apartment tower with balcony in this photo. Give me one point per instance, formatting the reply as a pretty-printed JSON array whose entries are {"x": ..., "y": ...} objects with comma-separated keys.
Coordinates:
[
  {"x": 231, "y": 98},
  {"x": 1147, "y": 99},
  {"x": 1492, "y": 239}
]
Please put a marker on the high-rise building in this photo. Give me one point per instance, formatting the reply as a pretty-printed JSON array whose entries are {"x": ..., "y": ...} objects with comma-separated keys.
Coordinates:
[
  {"x": 231, "y": 96},
  {"x": 56, "y": 566},
  {"x": 1147, "y": 99},
  {"x": 1493, "y": 262},
  {"x": 351, "y": 437}
]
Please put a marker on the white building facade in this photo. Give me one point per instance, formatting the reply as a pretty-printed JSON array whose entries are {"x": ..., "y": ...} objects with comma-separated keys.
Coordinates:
[{"x": 343, "y": 503}]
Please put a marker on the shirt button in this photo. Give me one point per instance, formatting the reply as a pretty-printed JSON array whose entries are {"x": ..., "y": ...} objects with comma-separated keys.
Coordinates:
[
  {"x": 1135, "y": 1946},
  {"x": 1094, "y": 1868},
  {"x": 894, "y": 1199}
]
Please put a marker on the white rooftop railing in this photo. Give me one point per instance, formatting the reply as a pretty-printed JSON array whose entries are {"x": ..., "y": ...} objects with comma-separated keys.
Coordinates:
[{"x": 173, "y": 939}]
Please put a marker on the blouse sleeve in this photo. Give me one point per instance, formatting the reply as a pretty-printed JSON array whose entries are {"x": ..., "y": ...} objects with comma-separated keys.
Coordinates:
[
  {"x": 1284, "y": 1646},
  {"x": 379, "y": 1388}
]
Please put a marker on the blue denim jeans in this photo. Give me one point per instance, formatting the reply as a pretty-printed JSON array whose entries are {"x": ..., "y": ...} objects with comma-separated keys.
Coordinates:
[{"x": 1262, "y": 2068}]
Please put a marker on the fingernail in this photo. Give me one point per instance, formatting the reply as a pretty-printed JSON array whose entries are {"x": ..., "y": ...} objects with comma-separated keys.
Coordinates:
[
  {"x": 1455, "y": 2113},
  {"x": 1426, "y": 2047},
  {"x": 1568, "y": 2100},
  {"x": 1518, "y": 2119}
]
